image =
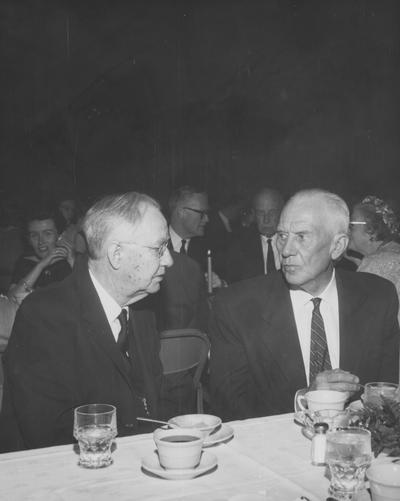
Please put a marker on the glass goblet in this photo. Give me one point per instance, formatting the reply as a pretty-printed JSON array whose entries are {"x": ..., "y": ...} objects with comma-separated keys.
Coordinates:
[
  {"x": 348, "y": 454},
  {"x": 95, "y": 427}
]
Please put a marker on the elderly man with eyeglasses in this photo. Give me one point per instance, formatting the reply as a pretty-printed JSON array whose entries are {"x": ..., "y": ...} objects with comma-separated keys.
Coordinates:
[{"x": 84, "y": 340}]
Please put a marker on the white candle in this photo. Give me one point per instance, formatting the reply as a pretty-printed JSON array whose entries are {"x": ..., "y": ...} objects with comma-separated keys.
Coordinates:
[{"x": 209, "y": 272}]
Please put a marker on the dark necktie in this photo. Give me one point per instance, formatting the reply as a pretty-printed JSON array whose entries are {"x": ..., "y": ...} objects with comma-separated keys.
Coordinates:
[
  {"x": 182, "y": 250},
  {"x": 319, "y": 354},
  {"x": 270, "y": 257},
  {"x": 122, "y": 341}
]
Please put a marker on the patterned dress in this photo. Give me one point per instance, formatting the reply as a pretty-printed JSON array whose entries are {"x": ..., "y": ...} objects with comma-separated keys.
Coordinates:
[{"x": 385, "y": 262}]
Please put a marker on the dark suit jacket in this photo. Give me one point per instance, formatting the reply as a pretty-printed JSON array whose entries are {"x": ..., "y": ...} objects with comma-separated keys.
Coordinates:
[
  {"x": 62, "y": 354},
  {"x": 245, "y": 257},
  {"x": 218, "y": 240},
  {"x": 182, "y": 299},
  {"x": 256, "y": 363},
  {"x": 197, "y": 250}
]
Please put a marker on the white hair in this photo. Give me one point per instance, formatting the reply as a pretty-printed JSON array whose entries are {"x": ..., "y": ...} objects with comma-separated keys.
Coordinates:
[{"x": 335, "y": 206}]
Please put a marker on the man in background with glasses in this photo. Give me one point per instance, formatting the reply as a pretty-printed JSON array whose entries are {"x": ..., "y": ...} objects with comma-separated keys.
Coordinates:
[
  {"x": 84, "y": 340},
  {"x": 188, "y": 209}
]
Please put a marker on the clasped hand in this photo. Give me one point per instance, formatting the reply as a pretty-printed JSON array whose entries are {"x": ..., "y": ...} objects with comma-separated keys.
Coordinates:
[{"x": 336, "y": 379}]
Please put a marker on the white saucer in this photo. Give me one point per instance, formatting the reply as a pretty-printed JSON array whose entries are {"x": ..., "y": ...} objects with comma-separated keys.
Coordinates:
[
  {"x": 224, "y": 433},
  {"x": 151, "y": 464}
]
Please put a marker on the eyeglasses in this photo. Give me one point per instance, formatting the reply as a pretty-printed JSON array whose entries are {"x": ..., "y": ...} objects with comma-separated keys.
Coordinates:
[
  {"x": 354, "y": 223},
  {"x": 203, "y": 213},
  {"x": 159, "y": 250}
]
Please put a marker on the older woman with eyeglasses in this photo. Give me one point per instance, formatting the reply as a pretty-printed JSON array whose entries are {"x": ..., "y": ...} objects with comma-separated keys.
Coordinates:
[{"x": 375, "y": 232}]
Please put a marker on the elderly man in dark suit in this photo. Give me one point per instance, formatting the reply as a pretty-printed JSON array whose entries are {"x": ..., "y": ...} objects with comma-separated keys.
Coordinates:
[
  {"x": 307, "y": 325},
  {"x": 81, "y": 341}
]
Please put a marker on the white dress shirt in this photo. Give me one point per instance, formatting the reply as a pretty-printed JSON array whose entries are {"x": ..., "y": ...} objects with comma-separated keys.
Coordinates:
[
  {"x": 111, "y": 308},
  {"x": 264, "y": 243},
  {"x": 329, "y": 307},
  {"x": 176, "y": 240}
]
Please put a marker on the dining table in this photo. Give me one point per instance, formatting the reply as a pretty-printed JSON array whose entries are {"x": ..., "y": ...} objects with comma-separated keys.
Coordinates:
[{"x": 267, "y": 458}]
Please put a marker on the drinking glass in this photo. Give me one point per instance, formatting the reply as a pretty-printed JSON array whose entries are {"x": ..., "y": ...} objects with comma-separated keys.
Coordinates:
[
  {"x": 348, "y": 454},
  {"x": 374, "y": 391},
  {"x": 95, "y": 427}
]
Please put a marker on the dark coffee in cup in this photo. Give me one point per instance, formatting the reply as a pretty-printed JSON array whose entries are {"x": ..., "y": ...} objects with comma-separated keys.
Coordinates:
[{"x": 179, "y": 438}]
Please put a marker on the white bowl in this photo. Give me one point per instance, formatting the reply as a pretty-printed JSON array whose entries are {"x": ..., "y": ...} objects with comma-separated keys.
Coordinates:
[
  {"x": 384, "y": 481},
  {"x": 178, "y": 448},
  {"x": 206, "y": 423}
]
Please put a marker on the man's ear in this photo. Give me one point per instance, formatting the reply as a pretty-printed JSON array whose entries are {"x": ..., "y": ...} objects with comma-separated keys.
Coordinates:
[
  {"x": 114, "y": 255},
  {"x": 339, "y": 245},
  {"x": 180, "y": 211}
]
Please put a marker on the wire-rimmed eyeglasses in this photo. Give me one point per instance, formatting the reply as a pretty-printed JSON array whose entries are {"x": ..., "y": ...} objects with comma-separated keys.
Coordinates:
[
  {"x": 159, "y": 250},
  {"x": 356, "y": 223},
  {"x": 203, "y": 213}
]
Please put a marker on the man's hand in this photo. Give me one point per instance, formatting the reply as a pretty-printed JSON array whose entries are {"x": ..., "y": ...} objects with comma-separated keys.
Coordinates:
[
  {"x": 54, "y": 255},
  {"x": 336, "y": 379},
  {"x": 216, "y": 282}
]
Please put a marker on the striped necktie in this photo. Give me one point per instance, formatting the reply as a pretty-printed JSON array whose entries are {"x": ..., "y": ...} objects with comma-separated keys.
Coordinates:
[{"x": 319, "y": 354}]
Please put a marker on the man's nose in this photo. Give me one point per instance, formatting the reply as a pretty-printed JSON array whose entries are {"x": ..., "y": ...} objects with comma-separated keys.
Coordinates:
[
  {"x": 166, "y": 258},
  {"x": 288, "y": 248}
]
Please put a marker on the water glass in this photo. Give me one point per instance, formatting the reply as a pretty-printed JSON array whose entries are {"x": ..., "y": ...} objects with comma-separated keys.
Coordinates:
[
  {"x": 95, "y": 427},
  {"x": 374, "y": 391},
  {"x": 348, "y": 454}
]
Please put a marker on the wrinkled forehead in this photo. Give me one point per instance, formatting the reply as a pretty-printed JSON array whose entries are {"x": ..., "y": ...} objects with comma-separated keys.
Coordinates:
[{"x": 299, "y": 215}]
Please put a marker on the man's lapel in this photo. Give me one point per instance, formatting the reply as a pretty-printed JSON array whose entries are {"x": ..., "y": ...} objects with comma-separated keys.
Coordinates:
[
  {"x": 352, "y": 341},
  {"x": 280, "y": 335},
  {"x": 96, "y": 323}
]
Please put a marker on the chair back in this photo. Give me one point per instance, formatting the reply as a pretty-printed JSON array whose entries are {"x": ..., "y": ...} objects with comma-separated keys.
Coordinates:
[{"x": 183, "y": 351}]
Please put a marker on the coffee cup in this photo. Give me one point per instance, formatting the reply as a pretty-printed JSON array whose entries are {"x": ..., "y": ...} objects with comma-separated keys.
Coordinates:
[
  {"x": 318, "y": 400},
  {"x": 206, "y": 423},
  {"x": 179, "y": 448},
  {"x": 384, "y": 481}
]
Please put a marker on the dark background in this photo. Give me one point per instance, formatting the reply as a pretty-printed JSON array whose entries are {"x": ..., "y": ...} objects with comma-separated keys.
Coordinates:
[{"x": 100, "y": 96}]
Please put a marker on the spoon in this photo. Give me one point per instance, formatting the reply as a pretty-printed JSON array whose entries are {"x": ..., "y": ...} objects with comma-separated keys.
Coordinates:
[{"x": 148, "y": 420}]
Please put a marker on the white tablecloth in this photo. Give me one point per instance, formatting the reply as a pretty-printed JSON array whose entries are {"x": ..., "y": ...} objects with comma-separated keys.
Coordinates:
[{"x": 268, "y": 457}]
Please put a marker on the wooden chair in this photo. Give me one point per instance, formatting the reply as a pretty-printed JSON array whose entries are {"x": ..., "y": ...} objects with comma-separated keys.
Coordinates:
[{"x": 185, "y": 351}]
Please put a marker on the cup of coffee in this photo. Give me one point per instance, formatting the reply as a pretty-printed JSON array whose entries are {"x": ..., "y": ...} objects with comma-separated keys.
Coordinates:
[
  {"x": 384, "y": 481},
  {"x": 179, "y": 448},
  {"x": 319, "y": 400}
]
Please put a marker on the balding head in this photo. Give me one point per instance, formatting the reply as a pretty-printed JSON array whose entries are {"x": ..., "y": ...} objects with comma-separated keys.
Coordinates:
[
  {"x": 331, "y": 207},
  {"x": 267, "y": 206}
]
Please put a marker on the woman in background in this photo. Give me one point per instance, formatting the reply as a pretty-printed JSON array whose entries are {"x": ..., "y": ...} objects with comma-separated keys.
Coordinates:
[
  {"x": 374, "y": 232},
  {"x": 49, "y": 259}
]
